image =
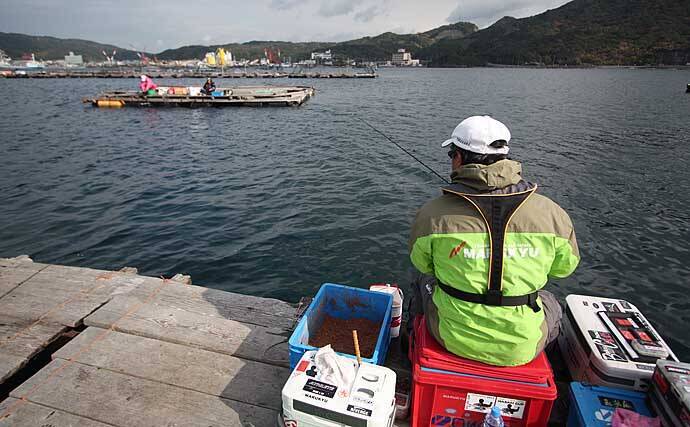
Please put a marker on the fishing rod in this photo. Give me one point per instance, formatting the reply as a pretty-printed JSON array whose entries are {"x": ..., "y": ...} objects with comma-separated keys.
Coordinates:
[{"x": 404, "y": 150}]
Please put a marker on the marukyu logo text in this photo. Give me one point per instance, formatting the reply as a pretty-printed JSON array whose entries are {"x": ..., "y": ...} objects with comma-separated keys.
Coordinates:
[{"x": 509, "y": 251}]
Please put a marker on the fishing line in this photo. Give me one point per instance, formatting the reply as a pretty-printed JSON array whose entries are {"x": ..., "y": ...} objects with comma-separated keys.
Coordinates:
[{"x": 404, "y": 150}]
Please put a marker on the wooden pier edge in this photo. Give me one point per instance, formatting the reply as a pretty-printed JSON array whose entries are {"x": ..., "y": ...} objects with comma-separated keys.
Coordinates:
[{"x": 145, "y": 351}]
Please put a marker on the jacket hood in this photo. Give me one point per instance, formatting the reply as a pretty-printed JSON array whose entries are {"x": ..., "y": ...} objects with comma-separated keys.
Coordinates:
[{"x": 488, "y": 177}]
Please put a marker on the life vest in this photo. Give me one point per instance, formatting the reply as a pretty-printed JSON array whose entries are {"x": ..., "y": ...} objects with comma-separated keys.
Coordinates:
[{"x": 496, "y": 209}]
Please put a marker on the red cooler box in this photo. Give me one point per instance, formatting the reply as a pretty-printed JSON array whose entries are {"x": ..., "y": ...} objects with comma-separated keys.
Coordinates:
[{"x": 448, "y": 390}]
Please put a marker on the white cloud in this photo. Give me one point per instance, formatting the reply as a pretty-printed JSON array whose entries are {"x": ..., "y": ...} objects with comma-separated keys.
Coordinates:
[
  {"x": 366, "y": 15},
  {"x": 381, "y": 8},
  {"x": 330, "y": 8},
  {"x": 485, "y": 13},
  {"x": 286, "y": 4}
]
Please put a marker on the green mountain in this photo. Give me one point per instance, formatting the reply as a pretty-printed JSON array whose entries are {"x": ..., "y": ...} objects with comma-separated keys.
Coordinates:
[
  {"x": 47, "y": 48},
  {"x": 379, "y": 48},
  {"x": 598, "y": 32},
  {"x": 451, "y": 31}
]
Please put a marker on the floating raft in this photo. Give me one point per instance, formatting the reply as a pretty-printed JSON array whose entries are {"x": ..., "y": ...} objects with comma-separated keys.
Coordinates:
[
  {"x": 258, "y": 96},
  {"x": 186, "y": 75}
]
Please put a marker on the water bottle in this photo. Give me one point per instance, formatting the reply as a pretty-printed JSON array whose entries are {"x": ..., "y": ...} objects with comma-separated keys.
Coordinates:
[{"x": 493, "y": 418}]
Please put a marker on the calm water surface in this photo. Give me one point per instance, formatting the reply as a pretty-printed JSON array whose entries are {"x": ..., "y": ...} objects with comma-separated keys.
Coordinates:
[{"x": 274, "y": 202}]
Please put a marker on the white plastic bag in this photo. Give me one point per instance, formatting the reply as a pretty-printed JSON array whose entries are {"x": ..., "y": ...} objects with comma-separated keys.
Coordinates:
[{"x": 335, "y": 369}]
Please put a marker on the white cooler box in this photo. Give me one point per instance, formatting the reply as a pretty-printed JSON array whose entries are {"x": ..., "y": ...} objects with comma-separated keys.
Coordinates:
[
  {"x": 609, "y": 342},
  {"x": 308, "y": 402}
]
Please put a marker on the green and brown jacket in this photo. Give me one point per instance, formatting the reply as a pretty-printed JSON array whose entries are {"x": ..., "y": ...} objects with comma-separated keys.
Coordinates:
[{"x": 451, "y": 240}]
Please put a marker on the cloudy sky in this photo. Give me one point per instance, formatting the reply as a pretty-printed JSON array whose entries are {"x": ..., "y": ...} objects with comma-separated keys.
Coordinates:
[{"x": 155, "y": 25}]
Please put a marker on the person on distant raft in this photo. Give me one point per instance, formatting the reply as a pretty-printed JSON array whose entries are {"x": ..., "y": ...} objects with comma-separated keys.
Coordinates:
[
  {"x": 209, "y": 87},
  {"x": 486, "y": 247},
  {"x": 146, "y": 84}
]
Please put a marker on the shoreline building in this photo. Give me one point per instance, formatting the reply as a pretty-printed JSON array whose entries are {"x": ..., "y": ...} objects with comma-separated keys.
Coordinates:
[
  {"x": 402, "y": 58},
  {"x": 73, "y": 60},
  {"x": 4, "y": 58},
  {"x": 325, "y": 58}
]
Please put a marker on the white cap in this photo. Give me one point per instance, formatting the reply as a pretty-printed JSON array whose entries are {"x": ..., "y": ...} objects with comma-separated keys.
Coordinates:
[
  {"x": 476, "y": 134},
  {"x": 143, "y": 77}
]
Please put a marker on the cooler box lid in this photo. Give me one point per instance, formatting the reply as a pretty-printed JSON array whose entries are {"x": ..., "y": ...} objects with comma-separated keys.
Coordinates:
[
  {"x": 609, "y": 331},
  {"x": 434, "y": 357}
]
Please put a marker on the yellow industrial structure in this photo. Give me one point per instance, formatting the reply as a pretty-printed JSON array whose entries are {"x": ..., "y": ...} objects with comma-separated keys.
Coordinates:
[{"x": 219, "y": 57}]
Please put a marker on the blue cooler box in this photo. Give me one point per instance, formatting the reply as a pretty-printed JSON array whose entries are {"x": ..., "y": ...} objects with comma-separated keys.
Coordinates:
[
  {"x": 344, "y": 302},
  {"x": 594, "y": 405}
]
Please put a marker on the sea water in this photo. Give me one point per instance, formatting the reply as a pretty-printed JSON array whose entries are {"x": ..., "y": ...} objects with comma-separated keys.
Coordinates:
[{"x": 276, "y": 201}]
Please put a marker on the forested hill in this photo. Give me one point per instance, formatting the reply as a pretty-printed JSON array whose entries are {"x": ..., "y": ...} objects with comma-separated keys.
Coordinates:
[
  {"x": 598, "y": 32},
  {"x": 381, "y": 47},
  {"x": 46, "y": 48},
  {"x": 378, "y": 48}
]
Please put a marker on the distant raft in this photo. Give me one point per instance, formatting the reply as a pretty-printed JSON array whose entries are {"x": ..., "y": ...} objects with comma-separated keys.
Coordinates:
[{"x": 248, "y": 96}]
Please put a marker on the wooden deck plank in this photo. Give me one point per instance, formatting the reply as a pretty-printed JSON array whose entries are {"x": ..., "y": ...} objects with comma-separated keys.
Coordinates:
[
  {"x": 21, "y": 340},
  {"x": 14, "y": 272},
  {"x": 260, "y": 311},
  {"x": 61, "y": 294},
  {"x": 216, "y": 374},
  {"x": 123, "y": 400},
  {"x": 27, "y": 414},
  {"x": 227, "y": 305},
  {"x": 209, "y": 332},
  {"x": 22, "y": 261},
  {"x": 51, "y": 305},
  {"x": 267, "y": 312}
]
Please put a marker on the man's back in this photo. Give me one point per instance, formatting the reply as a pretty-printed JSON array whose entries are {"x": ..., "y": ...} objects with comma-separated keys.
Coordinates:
[{"x": 450, "y": 240}]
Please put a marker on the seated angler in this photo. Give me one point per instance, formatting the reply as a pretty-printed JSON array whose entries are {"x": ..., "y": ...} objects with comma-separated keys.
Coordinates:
[
  {"x": 146, "y": 84},
  {"x": 209, "y": 87},
  {"x": 487, "y": 246}
]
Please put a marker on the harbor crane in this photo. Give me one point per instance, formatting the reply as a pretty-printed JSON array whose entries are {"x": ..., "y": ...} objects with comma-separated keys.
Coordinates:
[
  {"x": 143, "y": 58},
  {"x": 273, "y": 56},
  {"x": 141, "y": 55},
  {"x": 111, "y": 58}
]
